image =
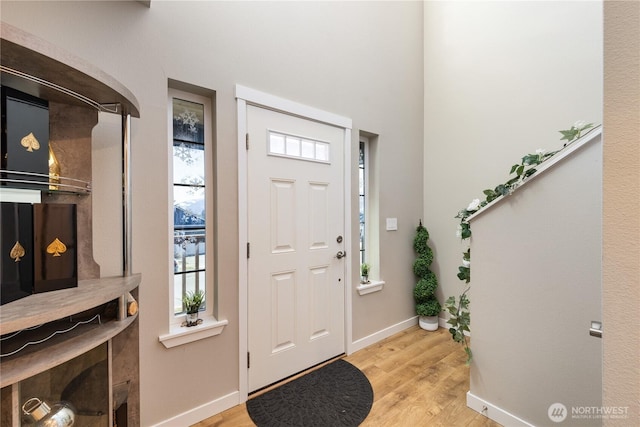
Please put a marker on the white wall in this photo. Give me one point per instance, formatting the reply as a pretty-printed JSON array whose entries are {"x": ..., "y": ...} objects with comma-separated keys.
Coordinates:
[
  {"x": 536, "y": 268},
  {"x": 501, "y": 78},
  {"x": 473, "y": 106},
  {"x": 361, "y": 60}
]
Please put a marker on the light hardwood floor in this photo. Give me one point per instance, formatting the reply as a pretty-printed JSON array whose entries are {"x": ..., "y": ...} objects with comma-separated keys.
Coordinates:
[{"x": 419, "y": 379}]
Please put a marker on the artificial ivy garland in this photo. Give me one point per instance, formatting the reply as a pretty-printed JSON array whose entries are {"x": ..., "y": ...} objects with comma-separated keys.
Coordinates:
[{"x": 458, "y": 309}]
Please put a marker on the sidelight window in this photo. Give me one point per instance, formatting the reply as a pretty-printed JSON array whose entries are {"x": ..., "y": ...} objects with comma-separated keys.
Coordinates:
[
  {"x": 192, "y": 237},
  {"x": 362, "y": 197}
]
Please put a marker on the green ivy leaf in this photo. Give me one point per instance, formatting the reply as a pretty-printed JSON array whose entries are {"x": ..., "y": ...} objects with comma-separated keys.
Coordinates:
[
  {"x": 569, "y": 135},
  {"x": 464, "y": 302},
  {"x": 531, "y": 159},
  {"x": 512, "y": 181},
  {"x": 464, "y": 273},
  {"x": 502, "y": 189},
  {"x": 465, "y": 233},
  {"x": 585, "y": 127}
]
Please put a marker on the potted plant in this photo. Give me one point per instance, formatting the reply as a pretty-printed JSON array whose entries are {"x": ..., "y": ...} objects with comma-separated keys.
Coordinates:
[
  {"x": 364, "y": 271},
  {"x": 424, "y": 293},
  {"x": 192, "y": 302}
]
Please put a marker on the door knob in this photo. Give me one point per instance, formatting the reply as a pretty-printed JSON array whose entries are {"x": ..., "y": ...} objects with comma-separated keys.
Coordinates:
[{"x": 341, "y": 254}]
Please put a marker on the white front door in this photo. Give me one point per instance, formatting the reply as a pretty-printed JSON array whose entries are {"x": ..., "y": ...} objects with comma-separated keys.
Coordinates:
[{"x": 296, "y": 276}]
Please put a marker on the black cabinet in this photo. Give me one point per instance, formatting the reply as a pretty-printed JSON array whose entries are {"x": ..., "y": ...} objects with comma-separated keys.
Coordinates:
[
  {"x": 16, "y": 244},
  {"x": 25, "y": 139},
  {"x": 39, "y": 249}
]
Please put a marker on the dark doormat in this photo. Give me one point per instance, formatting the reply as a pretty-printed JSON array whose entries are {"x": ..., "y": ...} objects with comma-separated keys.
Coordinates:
[{"x": 337, "y": 394}]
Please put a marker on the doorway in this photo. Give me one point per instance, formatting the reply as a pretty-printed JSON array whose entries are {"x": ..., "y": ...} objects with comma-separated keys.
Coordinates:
[{"x": 294, "y": 214}]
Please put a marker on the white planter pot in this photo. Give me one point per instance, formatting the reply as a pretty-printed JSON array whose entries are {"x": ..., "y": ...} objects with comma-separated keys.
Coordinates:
[
  {"x": 192, "y": 319},
  {"x": 428, "y": 323}
]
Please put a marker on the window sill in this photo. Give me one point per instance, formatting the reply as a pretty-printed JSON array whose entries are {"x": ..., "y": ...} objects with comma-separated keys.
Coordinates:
[
  {"x": 179, "y": 335},
  {"x": 372, "y": 286}
]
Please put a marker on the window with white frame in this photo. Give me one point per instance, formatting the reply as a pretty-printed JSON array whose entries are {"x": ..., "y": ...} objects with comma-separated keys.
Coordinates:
[
  {"x": 368, "y": 206},
  {"x": 362, "y": 197},
  {"x": 283, "y": 145},
  {"x": 191, "y": 146}
]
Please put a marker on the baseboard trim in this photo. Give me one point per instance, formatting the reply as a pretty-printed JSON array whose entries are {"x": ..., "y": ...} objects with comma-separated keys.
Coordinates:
[
  {"x": 382, "y": 334},
  {"x": 495, "y": 413},
  {"x": 202, "y": 412}
]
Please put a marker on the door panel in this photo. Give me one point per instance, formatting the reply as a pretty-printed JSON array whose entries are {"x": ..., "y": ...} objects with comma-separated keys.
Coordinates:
[
  {"x": 319, "y": 215},
  {"x": 283, "y": 311},
  {"x": 295, "y": 214},
  {"x": 283, "y": 204}
]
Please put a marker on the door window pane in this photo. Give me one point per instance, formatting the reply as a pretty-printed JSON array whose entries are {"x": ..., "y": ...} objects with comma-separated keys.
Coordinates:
[
  {"x": 322, "y": 152},
  {"x": 293, "y": 146},
  {"x": 276, "y": 143},
  {"x": 308, "y": 149}
]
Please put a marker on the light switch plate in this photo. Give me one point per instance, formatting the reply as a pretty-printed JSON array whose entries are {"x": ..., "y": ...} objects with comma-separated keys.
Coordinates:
[{"x": 392, "y": 224}]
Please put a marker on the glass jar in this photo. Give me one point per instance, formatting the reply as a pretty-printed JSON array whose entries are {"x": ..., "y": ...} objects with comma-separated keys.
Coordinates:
[{"x": 42, "y": 414}]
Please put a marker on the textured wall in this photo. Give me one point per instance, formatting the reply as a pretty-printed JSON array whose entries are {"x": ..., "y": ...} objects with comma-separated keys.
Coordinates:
[{"x": 621, "y": 233}]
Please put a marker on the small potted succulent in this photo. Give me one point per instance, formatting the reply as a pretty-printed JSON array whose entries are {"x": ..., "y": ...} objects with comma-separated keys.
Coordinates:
[
  {"x": 192, "y": 302},
  {"x": 364, "y": 272}
]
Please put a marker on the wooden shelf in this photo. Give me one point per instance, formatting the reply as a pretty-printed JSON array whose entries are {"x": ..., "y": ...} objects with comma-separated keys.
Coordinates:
[
  {"x": 50, "y": 306},
  {"x": 60, "y": 349},
  {"x": 48, "y": 72},
  {"x": 39, "y": 68}
]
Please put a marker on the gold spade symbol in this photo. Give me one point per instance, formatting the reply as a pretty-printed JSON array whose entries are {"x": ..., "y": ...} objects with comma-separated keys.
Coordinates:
[
  {"x": 56, "y": 247},
  {"x": 30, "y": 142},
  {"x": 17, "y": 252}
]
